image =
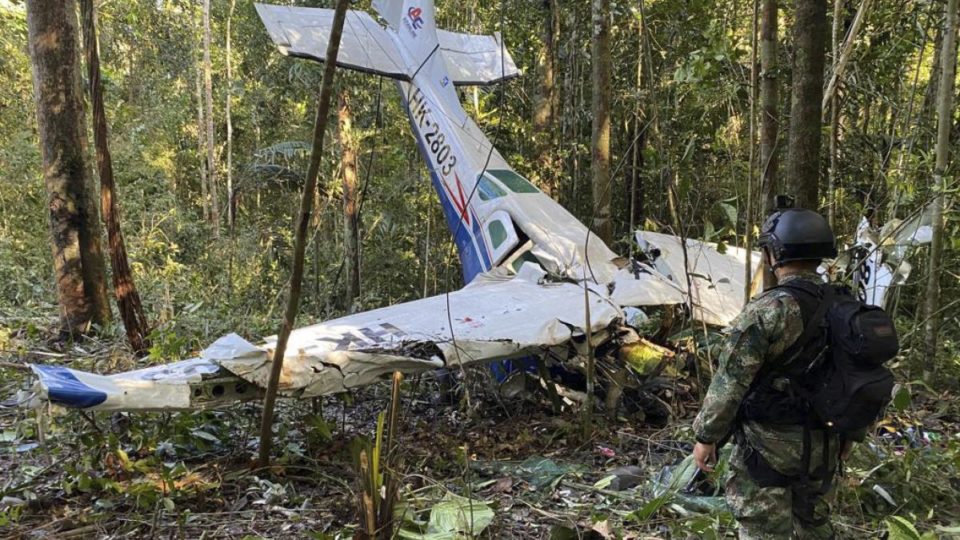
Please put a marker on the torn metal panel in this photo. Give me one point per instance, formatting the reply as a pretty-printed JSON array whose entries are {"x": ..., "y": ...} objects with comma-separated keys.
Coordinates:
[
  {"x": 716, "y": 280},
  {"x": 641, "y": 285}
]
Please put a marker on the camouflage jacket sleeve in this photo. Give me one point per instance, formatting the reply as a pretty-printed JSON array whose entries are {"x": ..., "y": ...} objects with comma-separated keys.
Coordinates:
[{"x": 766, "y": 327}]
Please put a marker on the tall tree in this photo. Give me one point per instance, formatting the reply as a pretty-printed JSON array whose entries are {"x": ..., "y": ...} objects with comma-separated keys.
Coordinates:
[
  {"x": 77, "y": 256},
  {"x": 128, "y": 299},
  {"x": 202, "y": 147},
  {"x": 948, "y": 64},
  {"x": 231, "y": 203},
  {"x": 600, "y": 105},
  {"x": 809, "y": 55},
  {"x": 769, "y": 114},
  {"x": 351, "y": 222},
  {"x": 208, "y": 113},
  {"x": 754, "y": 84},
  {"x": 300, "y": 233},
  {"x": 638, "y": 138},
  {"x": 545, "y": 108},
  {"x": 834, "y": 113}
]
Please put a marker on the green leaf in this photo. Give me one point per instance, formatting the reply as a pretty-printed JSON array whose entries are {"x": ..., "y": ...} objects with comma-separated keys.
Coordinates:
[
  {"x": 454, "y": 517},
  {"x": 899, "y": 528},
  {"x": 204, "y": 435},
  {"x": 902, "y": 398},
  {"x": 730, "y": 212}
]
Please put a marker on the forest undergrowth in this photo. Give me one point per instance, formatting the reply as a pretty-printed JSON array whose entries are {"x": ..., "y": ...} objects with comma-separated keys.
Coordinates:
[{"x": 191, "y": 474}]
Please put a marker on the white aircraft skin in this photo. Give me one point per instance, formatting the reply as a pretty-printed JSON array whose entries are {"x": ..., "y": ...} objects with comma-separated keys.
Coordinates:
[
  {"x": 521, "y": 252},
  {"x": 490, "y": 220}
]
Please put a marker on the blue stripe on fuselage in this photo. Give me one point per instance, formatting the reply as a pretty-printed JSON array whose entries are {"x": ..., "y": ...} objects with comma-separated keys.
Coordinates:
[
  {"x": 473, "y": 258},
  {"x": 64, "y": 388}
]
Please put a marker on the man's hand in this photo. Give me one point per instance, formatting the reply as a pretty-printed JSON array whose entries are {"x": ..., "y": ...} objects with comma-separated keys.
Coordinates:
[{"x": 705, "y": 455}]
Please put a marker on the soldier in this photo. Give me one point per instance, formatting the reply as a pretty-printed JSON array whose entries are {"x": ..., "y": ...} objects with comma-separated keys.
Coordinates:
[{"x": 776, "y": 482}]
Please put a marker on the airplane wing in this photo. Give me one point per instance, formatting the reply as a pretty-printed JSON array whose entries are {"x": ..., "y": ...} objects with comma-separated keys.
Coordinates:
[
  {"x": 716, "y": 279},
  {"x": 367, "y": 47},
  {"x": 494, "y": 317}
]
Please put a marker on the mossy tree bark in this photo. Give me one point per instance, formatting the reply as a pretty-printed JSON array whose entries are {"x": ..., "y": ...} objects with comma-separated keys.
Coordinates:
[{"x": 77, "y": 255}]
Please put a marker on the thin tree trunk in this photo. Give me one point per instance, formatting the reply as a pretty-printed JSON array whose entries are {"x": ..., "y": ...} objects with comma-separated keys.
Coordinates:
[
  {"x": 639, "y": 139},
  {"x": 231, "y": 203},
  {"x": 128, "y": 299},
  {"x": 544, "y": 114},
  {"x": 202, "y": 148},
  {"x": 840, "y": 61},
  {"x": 600, "y": 139},
  {"x": 803, "y": 152},
  {"x": 944, "y": 124},
  {"x": 930, "y": 96},
  {"x": 351, "y": 225},
  {"x": 77, "y": 256},
  {"x": 769, "y": 114},
  {"x": 300, "y": 238},
  {"x": 208, "y": 113},
  {"x": 834, "y": 113},
  {"x": 748, "y": 229}
]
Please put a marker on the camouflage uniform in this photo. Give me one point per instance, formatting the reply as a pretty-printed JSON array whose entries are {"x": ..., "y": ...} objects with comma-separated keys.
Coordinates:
[{"x": 768, "y": 325}]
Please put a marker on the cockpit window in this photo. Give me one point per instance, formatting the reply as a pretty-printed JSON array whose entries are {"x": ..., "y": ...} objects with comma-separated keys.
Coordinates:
[
  {"x": 498, "y": 233},
  {"x": 514, "y": 181},
  {"x": 489, "y": 190}
]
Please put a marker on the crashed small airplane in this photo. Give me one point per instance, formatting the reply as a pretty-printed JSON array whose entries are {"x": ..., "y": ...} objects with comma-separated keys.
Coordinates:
[{"x": 528, "y": 264}]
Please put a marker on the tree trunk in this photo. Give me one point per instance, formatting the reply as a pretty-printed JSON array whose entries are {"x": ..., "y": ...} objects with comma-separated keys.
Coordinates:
[
  {"x": 754, "y": 90},
  {"x": 834, "y": 115},
  {"x": 544, "y": 114},
  {"x": 231, "y": 203},
  {"x": 803, "y": 153},
  {"x": 208, "y": 112},
  {"x": 636, "y": 199},
  {"x": 769, "y": 114},
  {"x": 351, "y": 225},
  {"x": 300, "y": 237},
  {"x": 77, "y": 256},
  {"x": 600, "y": 139},
  {"x": 128, "y": 299},
  {"x": 202, "y": 148},
  {"x": 841, "y": 58},
  {"x": 945, "y": 112}
]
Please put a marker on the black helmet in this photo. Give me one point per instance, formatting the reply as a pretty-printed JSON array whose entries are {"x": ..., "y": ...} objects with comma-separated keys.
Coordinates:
[{"x": 797, "y": 234}]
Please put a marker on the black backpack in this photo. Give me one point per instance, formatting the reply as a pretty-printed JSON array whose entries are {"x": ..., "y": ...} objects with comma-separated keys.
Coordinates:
[{"x": 834, "y": 376}]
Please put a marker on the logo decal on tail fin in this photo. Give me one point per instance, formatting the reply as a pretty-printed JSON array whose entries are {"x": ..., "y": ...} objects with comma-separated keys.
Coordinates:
[{"x": 416, "y": 21}]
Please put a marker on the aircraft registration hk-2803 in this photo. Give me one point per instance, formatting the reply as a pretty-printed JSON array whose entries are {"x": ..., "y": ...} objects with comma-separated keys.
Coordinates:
[{"x": 526, "y": 260}]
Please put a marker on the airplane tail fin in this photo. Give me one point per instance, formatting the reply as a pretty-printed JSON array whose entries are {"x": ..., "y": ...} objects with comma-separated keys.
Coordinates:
[{"x": 415, "y": 25}]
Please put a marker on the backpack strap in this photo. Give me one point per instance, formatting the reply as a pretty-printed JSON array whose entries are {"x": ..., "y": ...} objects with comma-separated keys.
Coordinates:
[
  {"x": 823, "y": 295},
  {"x": 814, "y": 301}
]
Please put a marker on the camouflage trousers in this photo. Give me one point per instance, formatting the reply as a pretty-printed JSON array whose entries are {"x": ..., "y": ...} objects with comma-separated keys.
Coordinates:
[{"x": 772, "y": 512}]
